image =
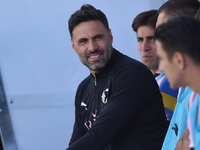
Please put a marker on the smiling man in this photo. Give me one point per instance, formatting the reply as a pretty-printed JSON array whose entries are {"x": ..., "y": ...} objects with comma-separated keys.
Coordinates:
[
  {"x": 115, "y": 108},
  {"x": 98, "y": 39}
]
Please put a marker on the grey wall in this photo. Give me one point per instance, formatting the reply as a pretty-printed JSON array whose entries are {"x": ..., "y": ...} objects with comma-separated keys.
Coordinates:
[{"x": 41, "y": 72}]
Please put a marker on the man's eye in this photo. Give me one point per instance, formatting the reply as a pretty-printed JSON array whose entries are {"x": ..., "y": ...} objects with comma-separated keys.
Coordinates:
[
  {"x": 82, "y": 41},
  {"x": 98, "y": 37},
  {"x": 139, "y": 40},
  {"x": 152, "y": 40}
]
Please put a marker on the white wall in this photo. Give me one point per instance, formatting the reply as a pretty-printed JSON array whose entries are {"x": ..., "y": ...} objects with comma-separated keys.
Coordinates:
[{"x": 40, "y": 70}]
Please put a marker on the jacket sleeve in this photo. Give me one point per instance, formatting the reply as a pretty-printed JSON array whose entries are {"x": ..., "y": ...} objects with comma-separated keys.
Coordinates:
[
  {"x": 126, "y": 99},
  {"x": 78, "y": 129}
]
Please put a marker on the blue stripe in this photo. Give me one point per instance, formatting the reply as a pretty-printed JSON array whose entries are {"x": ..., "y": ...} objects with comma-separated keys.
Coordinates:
[{"x": 165, "y": 88}]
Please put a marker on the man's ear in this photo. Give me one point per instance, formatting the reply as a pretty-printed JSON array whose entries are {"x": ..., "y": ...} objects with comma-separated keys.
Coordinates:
[
  {"x": 111, "y": 36},
  {"x": 180, "y": 60},
  {"x": 73, "y": 45}
]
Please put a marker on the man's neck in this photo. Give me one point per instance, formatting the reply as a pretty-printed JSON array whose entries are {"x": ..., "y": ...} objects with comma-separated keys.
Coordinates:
[
  {"x": 193, "y": 79},
  {"x": 154, "y": 71}
]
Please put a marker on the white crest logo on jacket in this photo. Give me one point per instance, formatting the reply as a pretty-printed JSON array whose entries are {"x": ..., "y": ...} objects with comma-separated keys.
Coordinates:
[{"x": 104, "y": 96}]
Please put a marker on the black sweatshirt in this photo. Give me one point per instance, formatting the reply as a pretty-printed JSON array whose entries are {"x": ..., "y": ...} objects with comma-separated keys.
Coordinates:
[{"x": 121, "y": 109}]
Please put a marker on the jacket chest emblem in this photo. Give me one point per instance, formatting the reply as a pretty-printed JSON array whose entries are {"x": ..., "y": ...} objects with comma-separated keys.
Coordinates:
[
  {"x": 104, "y": 96},
  {"x": 84, "y": 105}
]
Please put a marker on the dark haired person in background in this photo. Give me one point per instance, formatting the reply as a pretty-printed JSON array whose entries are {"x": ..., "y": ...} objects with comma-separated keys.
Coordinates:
[{"x": 144, "y": 25}]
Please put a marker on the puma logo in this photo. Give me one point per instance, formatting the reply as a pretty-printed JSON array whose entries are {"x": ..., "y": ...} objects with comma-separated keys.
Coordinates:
[{"x": 175, "y": 128}]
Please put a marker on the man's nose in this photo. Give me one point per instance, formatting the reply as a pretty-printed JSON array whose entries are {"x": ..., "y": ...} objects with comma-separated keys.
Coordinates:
[
  {"x": 145, "y": 45},
  {"x": 92, "y": 46}
]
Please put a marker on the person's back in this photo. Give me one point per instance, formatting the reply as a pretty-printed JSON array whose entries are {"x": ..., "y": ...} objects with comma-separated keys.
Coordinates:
[{"x": 144, "y": 130}]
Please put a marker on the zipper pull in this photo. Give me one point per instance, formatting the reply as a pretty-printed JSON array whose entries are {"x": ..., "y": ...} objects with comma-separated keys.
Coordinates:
[{"x": 95, "y": 81}]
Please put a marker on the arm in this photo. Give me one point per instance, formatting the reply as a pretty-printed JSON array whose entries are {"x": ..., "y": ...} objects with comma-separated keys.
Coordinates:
[
  {"x": 126, "y": 99},
  {"x": 78, "y": 129},
  {"x": 183, "y": 142}
]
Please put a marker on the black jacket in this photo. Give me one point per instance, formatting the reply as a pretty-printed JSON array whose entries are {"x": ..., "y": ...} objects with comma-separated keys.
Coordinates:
[{"x": 121, "y": 109}]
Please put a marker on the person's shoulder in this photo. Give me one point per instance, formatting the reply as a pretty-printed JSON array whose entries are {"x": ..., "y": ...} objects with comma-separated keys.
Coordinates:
[
  {"x": 123, "y": 59},
  {"x": 132, "y": 69},
  {"x": 133, "y": 65}
]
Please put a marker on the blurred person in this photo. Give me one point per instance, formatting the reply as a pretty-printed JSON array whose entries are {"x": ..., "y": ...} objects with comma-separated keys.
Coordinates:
[
  {"x": 144, "y": 25},
  {"x": 178, "y": 124},
  {"x": 178, "y": 47},
  {"x": 173, "y": 8},
  {"x": 114, "y": 107}
]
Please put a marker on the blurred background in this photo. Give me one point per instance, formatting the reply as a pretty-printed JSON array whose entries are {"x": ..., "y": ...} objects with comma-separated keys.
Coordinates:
[{"x": 40, "y": 72}]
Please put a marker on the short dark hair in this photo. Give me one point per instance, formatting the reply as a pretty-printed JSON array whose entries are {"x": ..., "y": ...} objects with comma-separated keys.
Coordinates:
[
  {"x": 180, "y": 34},
  {"x": 184, "y": 8},
  {"x": 145, "y": 18},
  {"x": 86, "y": 13}
]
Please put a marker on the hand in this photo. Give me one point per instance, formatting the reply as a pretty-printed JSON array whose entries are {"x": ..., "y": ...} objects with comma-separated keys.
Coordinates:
[{"x": 183, "y": 142}]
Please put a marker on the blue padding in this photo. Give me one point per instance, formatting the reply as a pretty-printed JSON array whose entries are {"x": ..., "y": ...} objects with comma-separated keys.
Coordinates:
[
  {"x": 165, "y": 88},
  {"x": 169, "y": 113}
]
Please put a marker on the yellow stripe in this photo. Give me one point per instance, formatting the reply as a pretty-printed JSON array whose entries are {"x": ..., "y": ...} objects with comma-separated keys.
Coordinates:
[{"x": 169, "y": 101}]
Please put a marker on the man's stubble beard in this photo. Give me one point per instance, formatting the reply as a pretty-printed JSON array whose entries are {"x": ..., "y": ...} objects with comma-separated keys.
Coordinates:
[{"x": 107, "y": 55}]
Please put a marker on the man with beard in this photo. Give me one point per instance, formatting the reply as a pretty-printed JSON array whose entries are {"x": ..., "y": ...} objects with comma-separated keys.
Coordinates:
[{"x": 118, "y": 106}]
